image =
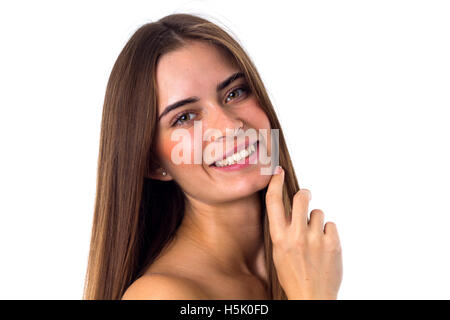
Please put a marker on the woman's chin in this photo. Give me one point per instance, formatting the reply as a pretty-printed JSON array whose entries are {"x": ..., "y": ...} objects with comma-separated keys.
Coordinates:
[{"x": 242, "y": 188}]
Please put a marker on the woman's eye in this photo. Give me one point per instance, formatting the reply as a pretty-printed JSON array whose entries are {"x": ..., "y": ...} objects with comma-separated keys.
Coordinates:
[
  {"x": 187, "y": 116},
  {"x": 184, "y": 117},
  {"x": 232, "y": 93}
]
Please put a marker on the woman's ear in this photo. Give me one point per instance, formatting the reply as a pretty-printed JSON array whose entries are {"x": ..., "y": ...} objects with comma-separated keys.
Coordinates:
[
  {"x": 156, "y": 171},
  {"x": 160, "y": 174}
]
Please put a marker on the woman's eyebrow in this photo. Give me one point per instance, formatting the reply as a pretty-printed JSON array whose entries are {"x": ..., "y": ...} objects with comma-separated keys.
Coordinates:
[
  {"x": 219, "y": 87},
  {"x": 229, "y": 80}
]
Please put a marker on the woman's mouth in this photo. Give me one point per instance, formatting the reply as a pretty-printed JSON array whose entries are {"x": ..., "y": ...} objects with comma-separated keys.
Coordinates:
[{"x": 239, "y": 159}]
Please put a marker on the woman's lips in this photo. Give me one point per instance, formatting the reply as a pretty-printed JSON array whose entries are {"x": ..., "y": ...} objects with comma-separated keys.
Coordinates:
[
  {"x": 250, "y": 159},
  {"x": 234, "y": 150}
]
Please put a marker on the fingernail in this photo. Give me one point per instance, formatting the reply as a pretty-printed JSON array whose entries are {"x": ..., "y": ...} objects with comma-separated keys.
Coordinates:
[{"x": 278, "y": 170}]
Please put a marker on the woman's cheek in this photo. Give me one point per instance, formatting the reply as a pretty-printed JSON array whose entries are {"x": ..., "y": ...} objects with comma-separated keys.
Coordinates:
[
  {"x": 166, "y": 150},
  {"x": 178, "y": 153},
  {"x": 257, "y": 118}
]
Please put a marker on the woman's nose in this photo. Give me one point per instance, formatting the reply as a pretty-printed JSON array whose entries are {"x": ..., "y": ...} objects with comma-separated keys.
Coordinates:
[{"x": 222, "y": 120}]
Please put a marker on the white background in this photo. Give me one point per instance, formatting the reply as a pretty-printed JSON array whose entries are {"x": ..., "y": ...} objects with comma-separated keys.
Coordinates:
[{"x": 362, "y": 90}]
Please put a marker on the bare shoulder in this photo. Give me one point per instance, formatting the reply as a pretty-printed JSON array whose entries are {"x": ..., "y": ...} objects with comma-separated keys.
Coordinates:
[{"x": 157, "y": 286}]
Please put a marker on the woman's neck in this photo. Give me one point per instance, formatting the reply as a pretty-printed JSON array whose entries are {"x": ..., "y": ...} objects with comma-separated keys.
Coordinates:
[{"x": 230, "y": 234}]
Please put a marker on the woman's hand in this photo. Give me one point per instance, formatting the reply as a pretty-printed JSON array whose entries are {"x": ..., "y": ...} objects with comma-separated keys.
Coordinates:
[{"x": 306, "y": 255}]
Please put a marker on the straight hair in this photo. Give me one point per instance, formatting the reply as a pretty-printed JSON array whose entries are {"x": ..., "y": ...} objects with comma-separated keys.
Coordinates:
[{"x": 135, "y": 216}]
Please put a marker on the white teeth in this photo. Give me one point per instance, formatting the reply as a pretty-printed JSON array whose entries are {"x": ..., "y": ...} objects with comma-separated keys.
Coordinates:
[{"x": 236, "y": 157}]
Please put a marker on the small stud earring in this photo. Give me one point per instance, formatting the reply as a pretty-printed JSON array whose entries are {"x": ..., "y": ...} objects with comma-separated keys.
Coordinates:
[{"x": 164, "y": 173}]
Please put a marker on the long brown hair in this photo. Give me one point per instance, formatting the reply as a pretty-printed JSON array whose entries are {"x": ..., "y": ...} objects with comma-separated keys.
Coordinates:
[{"x": 135, "y": 216}]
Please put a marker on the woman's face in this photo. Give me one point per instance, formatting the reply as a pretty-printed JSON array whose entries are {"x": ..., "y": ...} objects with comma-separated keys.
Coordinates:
[{"x": 195, "y": 71}]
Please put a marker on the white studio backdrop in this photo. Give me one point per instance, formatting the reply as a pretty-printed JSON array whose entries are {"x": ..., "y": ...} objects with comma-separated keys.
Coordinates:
[{"x": 362, "y": 90}]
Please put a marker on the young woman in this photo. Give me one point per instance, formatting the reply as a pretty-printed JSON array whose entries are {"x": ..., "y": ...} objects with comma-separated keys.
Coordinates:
[{"x": 212, "y": 229}]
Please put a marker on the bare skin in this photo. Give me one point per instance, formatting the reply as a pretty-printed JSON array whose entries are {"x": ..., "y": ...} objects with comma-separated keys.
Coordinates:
[{"x": 218, "y": 251}]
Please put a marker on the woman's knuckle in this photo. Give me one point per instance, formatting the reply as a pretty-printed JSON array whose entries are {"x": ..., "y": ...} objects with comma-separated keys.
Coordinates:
[
  {"x": 316, "y": 242},
  {"x": 336, "y": 249},
  {"x": 276, "y": 239},
  {"x": 333, "y": 245},
  {"x": 282, "y": 246},
  {"x": 300, "y": 240},
  {"x": 315, "y": 238}
]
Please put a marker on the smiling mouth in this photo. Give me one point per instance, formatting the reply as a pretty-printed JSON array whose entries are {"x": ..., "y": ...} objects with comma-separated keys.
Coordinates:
[{"x": 236, "y": 157}]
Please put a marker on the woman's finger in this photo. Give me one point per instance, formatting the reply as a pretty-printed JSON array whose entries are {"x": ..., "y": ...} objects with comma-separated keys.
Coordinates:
[
  {"x": 274, "y": 204},
  {"x": 316, "y": 219},
  {"x": 330, "y": 229},
  {"x": 300, "y": 209}
]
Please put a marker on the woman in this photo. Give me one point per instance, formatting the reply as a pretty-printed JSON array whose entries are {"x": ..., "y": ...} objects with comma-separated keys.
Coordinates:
[{"x": 212, "y": 229}]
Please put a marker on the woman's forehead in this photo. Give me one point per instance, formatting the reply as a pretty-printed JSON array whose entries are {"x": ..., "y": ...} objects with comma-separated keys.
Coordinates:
[
  {"x": 197, "y": 58},
  {"x": 191, "y": 70}
]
